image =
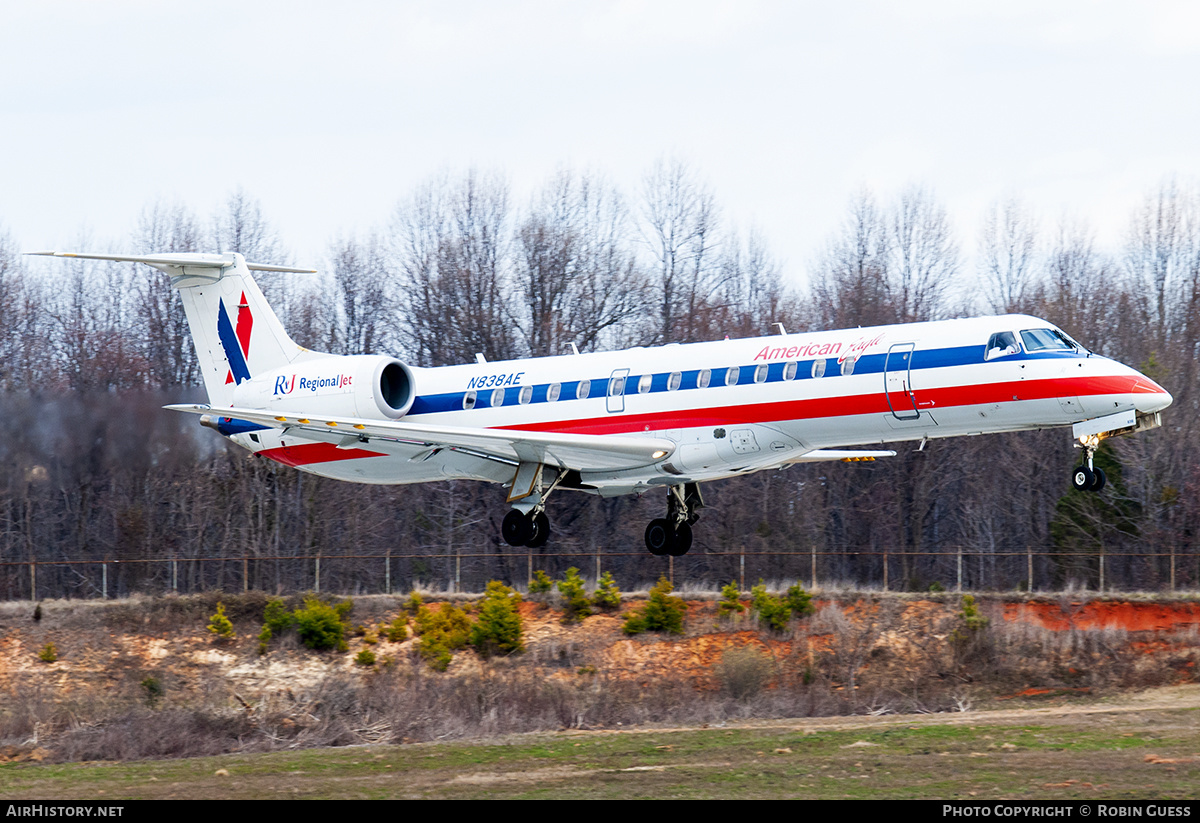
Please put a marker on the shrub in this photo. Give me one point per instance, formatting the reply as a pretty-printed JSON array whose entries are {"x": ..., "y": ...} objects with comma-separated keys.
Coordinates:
[
  {"x": 607, "y": 595},
  {"x": 366, "y": 657},
  {"x": 662, "y": 612},
  {"x": 413, "y": 604},
  {"x": 577, "y": 605},
  {"x": 498, "y": 629},
  {"x": 743, "y": 672},
  {"x": 730, "y": 602},
  {"x": 397, "y": 631},
  {"x": 264, "y": 639},
  {"x": 541, "y": 583},
  {"x": 277, "y": 617},
  {"x": 772, "y": 611},
  {"x": 152, "y": 690},
  {"x": 441, "y": 633},
  {"x": 48, "y": 654},
  {"x": 320, "y": 625},
  {"x": 799, "y": 601},
  {"x": 219, "y": 625}
]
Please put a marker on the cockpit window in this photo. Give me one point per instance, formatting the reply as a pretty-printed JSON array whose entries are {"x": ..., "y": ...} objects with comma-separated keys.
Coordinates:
[
  {"x": 1001, "y": 344},
  {"x": 1046, "y": 340}
]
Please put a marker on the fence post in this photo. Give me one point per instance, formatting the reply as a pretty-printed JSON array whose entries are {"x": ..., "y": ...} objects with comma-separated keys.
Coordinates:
[
  {"x": 104, "y": 580},
  {"x": 814, "y": 568},
  {"x": 245, "y": 574},
  {"x": 387, "y": 572},
  {"x": 958, "y": 572},
  {"x": 742, "y": 570},
  {"x": 33, "y": 581},
  {"x": 1029, "y": 570},
  {"x": 317, "y": 584}
]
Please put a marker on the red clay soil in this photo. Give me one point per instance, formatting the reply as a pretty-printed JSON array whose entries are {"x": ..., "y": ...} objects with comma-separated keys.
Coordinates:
[{"x": 1106, "y": 614}]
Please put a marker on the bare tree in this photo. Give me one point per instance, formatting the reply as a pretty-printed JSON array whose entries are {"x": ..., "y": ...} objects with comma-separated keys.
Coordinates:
[
  {"x": 1008, "y": 250},
  {"x": 679, "y": 226},
  {"x": 924, "y": 256},
  {"x": 450, "y": 242}
]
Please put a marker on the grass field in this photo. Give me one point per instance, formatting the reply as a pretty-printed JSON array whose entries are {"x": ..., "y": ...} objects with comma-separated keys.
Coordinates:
[{"x": 1136, "y": 749}]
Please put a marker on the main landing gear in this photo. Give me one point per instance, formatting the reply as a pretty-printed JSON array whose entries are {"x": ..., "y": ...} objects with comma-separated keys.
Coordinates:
[
  {"x": 1087, "y": 476},
  {"x": 527, "y": 523},
  {"x": 672, "y": 535}
]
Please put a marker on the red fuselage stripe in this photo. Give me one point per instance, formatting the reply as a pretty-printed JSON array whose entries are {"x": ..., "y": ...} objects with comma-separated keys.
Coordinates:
[{"x": 875, "y": 403}]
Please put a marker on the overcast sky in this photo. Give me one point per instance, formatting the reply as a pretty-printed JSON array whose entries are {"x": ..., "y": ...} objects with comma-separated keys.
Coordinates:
[{"x": 329, "y": 113}]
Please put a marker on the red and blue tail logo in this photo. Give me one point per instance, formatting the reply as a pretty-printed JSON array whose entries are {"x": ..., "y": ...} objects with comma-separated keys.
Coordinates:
[{"x": 236, "y": 343}]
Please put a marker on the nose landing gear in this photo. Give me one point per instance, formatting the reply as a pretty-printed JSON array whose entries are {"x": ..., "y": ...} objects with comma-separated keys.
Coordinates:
[
  {"x": 1087, "y": 477},
  {"x": 672, "y": 535}
]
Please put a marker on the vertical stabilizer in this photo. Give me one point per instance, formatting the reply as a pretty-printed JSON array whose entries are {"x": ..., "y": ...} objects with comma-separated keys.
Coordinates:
[{"x": 236, "y": 333}]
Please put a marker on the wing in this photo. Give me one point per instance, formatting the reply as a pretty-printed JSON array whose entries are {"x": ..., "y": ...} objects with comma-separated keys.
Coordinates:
[
  {"x": 584, "y": 452},
  {"x": 845, "y": 455}
]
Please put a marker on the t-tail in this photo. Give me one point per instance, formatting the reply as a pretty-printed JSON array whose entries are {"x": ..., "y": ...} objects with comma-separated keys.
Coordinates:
[{"x": 237, "y": 334}]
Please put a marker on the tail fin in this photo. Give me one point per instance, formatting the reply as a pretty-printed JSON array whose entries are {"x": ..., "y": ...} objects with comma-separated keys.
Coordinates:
[{"x": 237, "y": 334}]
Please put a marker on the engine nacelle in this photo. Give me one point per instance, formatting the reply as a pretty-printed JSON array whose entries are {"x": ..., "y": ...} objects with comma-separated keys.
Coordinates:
[{"x": 365, "y": 385}]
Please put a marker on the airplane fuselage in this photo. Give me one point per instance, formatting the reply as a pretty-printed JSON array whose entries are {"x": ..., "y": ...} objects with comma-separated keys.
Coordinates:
[{"x": 737, "y": 406}]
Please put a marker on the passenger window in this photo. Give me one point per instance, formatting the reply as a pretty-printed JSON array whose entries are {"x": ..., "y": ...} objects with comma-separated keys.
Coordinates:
[
  {"x": 702, "y": 379},
  {"x": 674, "y": 380},
  {"x": 1001, "y": 344},
  {"x": 526, "y": 395},
  {"x": 790, "y": 369},
  {"x": 760, "y": 374},
  {"x": 731, "y": 376},
  {"x": 553, "y": 391},
  {"x": 848, "y": 366},
  {"x": 616, "y": 387},
  {"x": 644, "y": 383},
  {"x": 469, "y": 400},
  {"x": 585, "y": 389},
  {"x": 497, "y": 398},
  {"x": 818, "y": 368}
]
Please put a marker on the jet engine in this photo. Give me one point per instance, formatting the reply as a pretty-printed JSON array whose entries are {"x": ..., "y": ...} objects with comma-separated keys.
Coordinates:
[{"x": 374, "y": 387}]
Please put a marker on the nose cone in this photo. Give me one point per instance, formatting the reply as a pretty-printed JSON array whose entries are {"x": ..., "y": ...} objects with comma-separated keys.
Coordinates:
[{"x": 1151, "y": 397}]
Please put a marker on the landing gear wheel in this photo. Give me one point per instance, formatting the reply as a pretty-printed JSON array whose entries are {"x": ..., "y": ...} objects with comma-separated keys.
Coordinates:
[
  {"x": 541, "y": 531},
  {"x": 517, "y": 529},
  {"x": 1098, "y": 480},
  {"x": 682, "y": 541},
  {"x": 1083, "y": 478},
  {"x": 659, "y": 538}
]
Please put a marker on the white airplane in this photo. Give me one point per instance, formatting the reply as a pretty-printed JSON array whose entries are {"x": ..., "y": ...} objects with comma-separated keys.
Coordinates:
[{"x": 626, "y": 422}]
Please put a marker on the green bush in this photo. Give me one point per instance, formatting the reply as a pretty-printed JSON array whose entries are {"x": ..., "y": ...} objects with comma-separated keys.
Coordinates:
[
  {"x": 264, "y": 639},
  {"x": 219, "y": 625},
  {"x": 440, "y": 633},
  {"x": 366, "y": 657},
  {"x": 662, "y": 612},
  {"x": 576, "y": 604},
  {"x": 799, "y": 601},
  {"x": 498, "y": 628},
  {"x": 731, "y": 601},
  {"x": 48, "y": 654},
  {"x": 277, "y": 617},
  {"x": 607, "y": 595},
  {"x": 413, "y": 604},
  {"x": 397, "y": 631},
  {"x": 772, "y": 611},
  {"x": 321, "y": 625},
  {"x": 541, "y": 583}
]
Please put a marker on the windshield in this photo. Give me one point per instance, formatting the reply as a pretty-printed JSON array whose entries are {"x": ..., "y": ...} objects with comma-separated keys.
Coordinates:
[{"x": 1046, "y": 340}]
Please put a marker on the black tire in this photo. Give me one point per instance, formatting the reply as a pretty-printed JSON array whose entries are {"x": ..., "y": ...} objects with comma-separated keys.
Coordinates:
[
  {"x": 659, "y": 538},
  {"x": 1083, "y": 478},
  {"x": 1098, "y": 481},
  {"x": 517, "y": 529},
  {"x": 541, "y": 532},
  {"x": 683, "y": 541}
]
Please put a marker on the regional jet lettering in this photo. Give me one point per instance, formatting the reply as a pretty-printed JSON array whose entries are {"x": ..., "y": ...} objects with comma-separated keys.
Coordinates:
[{"x": 622, "y": 422}]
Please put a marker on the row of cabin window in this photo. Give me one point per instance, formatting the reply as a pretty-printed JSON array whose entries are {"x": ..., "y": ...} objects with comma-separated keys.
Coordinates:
[{"x": 616, "y": 385}]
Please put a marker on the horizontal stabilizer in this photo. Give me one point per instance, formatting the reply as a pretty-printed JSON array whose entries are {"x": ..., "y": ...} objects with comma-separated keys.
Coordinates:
[{"x": 181, "y": 260}]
